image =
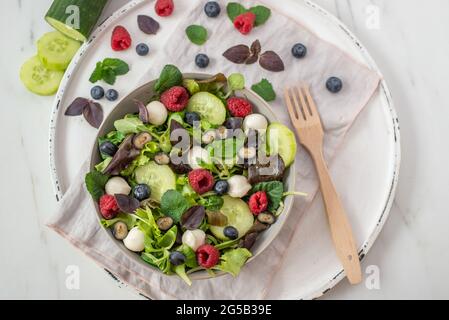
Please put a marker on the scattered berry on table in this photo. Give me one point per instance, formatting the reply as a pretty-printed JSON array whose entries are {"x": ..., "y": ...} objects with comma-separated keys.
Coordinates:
[
  {"x": 121, "y": 39},
  {"x": 164, "y": 8},
  {"x": 191, "y": 117},
  {"x": 201, "y": 180},
  {"x": 175, "y": 99},
  {"x": 212, "y": 9},
  {"x": 108, "y": 148},
  {"x": 258, "y": 202},
  {"x": 245, "y": 22},
  {"x": 141, "y": 192},
  {"x": 97, "y": 92},
  {"x": 207, "y": 256},
  {"x": 299, "y": 50},
  {"x": 177, "y": 258},
  {"x": 142, "y": 49},
  {"x": 334, "y": 84},
  {"x": 221, "y": 187},
  {"x": 202, "y": 60},
  {"x": 112, "y": 95},
  {"x": 231, "y": 232},
  {"x": 108, "y": 206},
  {"x": 239, "y": 107}
]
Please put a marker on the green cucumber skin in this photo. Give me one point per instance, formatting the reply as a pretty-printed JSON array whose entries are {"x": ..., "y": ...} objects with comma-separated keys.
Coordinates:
[{"x": 90, "y": 12}]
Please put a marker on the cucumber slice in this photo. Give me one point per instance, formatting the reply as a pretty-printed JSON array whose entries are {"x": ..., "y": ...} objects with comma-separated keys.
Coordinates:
[
  {"x": 39, "y": 79},
  {"x": 281, "y": 140},
  {"x": 239, "y": 216},
  {"x": 208, "y": 106},
  {"x": 160, "y": 178},
  {"x": 56, "y": 50}
]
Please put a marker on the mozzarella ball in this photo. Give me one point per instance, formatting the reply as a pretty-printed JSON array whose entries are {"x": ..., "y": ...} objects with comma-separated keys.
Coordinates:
[
  {"x": 134, "y": 241},
  {"x": 194, "y": 238},
  {"x": 238, "y": 186},
  {"x": 196, "y": 154},
  {"x": 255, "y": 121},
  {"x": 157, "y": 113},
  {"x": 117, "y": 185}
]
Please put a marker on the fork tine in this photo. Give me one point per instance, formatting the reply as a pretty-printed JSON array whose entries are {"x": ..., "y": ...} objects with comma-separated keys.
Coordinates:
[
  {"x": 312, "y": 107},
  {"x": 304, "y": 108},
  {"x": 291, "y": 109}
]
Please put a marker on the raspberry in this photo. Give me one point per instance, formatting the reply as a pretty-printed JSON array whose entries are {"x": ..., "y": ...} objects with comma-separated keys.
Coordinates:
[
  {"x": 175, "y": 99},
  {"x": 164, "y": 8},
  {"x": 207, "y": 256},
  {"x": 201, "y": 180},
  {"x": 121, "y": 39},
  {"x": 245, "y": 22},
  {"x": 239, "y": 107},
  {"x": 258, "y": 202},
  {"x": 108, "y": 206}
]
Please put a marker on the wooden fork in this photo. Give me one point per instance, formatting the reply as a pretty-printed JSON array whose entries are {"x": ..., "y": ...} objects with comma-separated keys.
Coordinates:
[{"x": 306, "y": 120}]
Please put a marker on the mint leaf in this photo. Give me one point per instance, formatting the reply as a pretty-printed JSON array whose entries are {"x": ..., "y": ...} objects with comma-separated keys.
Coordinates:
[
  {"x": 262, "y": 14},
  {"x": 169, "y": 77},
  {"x": 274, "y": 190},
  {"x": 173, "y": 204},
  {"x": 109, "y": 76},
  {"x": 234, "y": 9},
  {"x": 264, "y": 89},
  {"x": 197, "y": 34},
  {"x": 108, "y": 70},
  {"x": 95, "y": 182},
  {"x": 236, "y": 81},
  {"x": 97, "y": 73}
]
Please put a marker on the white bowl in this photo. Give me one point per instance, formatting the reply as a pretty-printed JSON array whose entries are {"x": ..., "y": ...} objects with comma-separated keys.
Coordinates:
[{"x": 144, "y": 93}]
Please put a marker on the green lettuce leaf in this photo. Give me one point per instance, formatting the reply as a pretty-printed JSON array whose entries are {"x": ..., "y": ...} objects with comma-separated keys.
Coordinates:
[
  {"x": 102, "y": 165},
  {"x": 181, "y": 272},
  {"x": 128, "y": 125},
  {"x": 233, "y": 260},
  {"x": 128, "y": 219}
]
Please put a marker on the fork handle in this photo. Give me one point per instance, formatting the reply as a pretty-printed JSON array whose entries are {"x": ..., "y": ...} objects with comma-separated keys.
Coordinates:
[{"x": 339, "y": 225}]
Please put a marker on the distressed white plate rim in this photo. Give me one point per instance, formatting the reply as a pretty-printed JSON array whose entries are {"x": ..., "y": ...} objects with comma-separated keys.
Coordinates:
[{"x": 320, "y": 19}]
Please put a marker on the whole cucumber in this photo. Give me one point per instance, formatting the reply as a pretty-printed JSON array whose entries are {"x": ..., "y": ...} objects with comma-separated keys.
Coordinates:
[{"x": 75, "y": 18}]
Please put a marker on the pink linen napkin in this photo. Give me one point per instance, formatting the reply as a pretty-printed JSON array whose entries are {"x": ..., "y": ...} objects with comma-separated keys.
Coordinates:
[{"x": 76, "y": 220}]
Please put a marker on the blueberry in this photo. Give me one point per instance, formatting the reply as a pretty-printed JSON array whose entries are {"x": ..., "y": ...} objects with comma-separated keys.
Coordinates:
[
  {"x": 299, "y": 50},
  {"x": 234, "y": 123},
  {"x": 108, "y": 148},
  {"x": 191, "y": 117},
  {"x": 141, "y": 192},
  {"x": 97, "y": 92},
  {"x": 334, "y": 84},
  {"x": 202, "y": 60},
  {"x": 221, "y": 187},
  {"x": 142, "y": 49},
  {"x": 177, "y": 258},
  {"x": 112, "y": 95},
  {"x": 212, "y": 9},
  {"x": 231, "y": 232}
]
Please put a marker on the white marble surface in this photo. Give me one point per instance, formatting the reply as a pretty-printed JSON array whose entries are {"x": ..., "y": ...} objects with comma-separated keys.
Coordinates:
[{"x": 412, "y": 252}]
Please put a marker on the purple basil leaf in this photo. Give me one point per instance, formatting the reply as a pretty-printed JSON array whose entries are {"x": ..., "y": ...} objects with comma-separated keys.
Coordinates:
[
  {"x": 76, "y": 108},
  {"x": 237, "y": 54},
  {"x": 126, "y": 203},
  {"x": 143, "y": 112},
  {"x": 271, "y": 61},
  {"x": 125, "y": 154},
  {"x": 147, "y": 24},
  {"x": 256, "y": 48},
  {"x": 192, "y": 218},
  {"x": 93, "y": 114}
]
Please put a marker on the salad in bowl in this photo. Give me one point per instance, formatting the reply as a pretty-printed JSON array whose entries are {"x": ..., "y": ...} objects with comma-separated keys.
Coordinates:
[{"x": 192, "y": 175}]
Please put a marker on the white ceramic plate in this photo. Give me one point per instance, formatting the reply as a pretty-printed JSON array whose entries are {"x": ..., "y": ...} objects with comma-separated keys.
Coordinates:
[{"x": 367, "y": 193}]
